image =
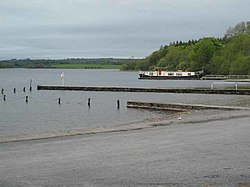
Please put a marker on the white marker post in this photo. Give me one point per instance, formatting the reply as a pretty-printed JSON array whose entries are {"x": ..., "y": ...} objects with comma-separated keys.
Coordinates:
[
  {"x": 212, "y": 86},
  {"x": 62, "y": 78}
]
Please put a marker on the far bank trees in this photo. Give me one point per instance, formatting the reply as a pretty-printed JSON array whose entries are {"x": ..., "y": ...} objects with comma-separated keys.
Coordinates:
[{"x": 228, "y": 55}]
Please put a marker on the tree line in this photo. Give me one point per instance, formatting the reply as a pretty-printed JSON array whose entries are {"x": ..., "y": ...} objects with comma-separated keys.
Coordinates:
[
  {"x": 227, "y": 55},
  {"x": 49, "y": 63}
]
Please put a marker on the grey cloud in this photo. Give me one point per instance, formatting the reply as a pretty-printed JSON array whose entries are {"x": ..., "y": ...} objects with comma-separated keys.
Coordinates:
[{"x": 82, "y": 28}]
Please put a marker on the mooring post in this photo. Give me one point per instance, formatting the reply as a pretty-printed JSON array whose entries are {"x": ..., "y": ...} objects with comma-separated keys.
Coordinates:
[
  {"x": 14, "y": 90},
  {"x": 30, "y": 85},
  {"x": 212, "y": 86},
  {"x": 236, "y": 86},
  {"x": 23, "y": 89},
  {"x": 89, "y": 102},
  {"x": 26, "y": 99},
  {"x": 2, "y": 90},
  {"x": 4, "y": 97},
  {"x": 118, "y": 104},
  {"x": 59, "y": 101}
]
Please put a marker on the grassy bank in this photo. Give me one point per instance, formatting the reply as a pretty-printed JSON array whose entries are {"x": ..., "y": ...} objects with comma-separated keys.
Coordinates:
[{"x": 86, "y": 66}]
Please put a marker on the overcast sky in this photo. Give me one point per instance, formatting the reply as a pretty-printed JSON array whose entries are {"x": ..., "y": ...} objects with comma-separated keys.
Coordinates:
[{"x": 109, "y": 28}]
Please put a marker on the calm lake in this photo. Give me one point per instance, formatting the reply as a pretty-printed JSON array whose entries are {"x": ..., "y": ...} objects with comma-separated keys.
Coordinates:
[{"x": 42, "y": 112}]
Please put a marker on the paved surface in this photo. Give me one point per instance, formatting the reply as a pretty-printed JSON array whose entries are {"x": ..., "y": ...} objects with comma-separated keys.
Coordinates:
[{"x": 214, "y": 153}]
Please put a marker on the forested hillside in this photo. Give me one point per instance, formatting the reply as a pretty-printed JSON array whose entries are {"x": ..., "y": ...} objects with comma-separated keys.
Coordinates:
[{"x": 227, "y": 55}]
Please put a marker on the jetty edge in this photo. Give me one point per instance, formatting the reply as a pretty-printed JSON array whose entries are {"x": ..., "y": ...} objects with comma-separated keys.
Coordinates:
[
  {"x": 179, "y": 107},
  {"x": 153, "y": 90}
]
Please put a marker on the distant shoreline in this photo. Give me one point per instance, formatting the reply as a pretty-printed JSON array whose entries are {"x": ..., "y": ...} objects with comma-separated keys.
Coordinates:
[
  {"x": 85, "y": 66},
  {"x": 67, "y": 66},
  {"x": 72, "y": 63}
]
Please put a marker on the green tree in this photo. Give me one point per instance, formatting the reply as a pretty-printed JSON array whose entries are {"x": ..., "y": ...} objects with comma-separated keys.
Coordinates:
[
  {"x": 241, "y": 65},
  {"x": 130, "y": 65},
  {"x": 175, "y": 56},
  {"x": 203, "y": 52}
]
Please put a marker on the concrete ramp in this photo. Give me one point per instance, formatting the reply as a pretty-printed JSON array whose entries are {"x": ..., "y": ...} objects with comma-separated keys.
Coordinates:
[{"x": 179, "y": 107}]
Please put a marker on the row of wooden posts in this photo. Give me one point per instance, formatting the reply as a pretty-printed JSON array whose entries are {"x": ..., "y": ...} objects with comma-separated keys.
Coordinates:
[
  {"x": 14, "y": 90},
  {"x": 60, "y": 101},
  {"x": 24, "y": 88}
]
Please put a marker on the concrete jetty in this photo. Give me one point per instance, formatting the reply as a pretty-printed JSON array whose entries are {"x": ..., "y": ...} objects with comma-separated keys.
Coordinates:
[
  {"x": 178, "y": 106},
  {"x": 154, "y": 90}
]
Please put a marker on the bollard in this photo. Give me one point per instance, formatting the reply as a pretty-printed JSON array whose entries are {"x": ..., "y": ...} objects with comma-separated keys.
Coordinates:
[
  {"x": 2, "y": 90},
  {"x": 23, "y": 89},
  {"x": 89, "y": 102},
  {"x": 14, "y": 90},
  {"x": 30, "y": 85},
  {"x": 118, "y": 104},
  {"x": 59, "y": 101},
  {"x": 26, "y": 99},
  {"x": 4, "y": 97},
  {"x": 236, "y": 86}
]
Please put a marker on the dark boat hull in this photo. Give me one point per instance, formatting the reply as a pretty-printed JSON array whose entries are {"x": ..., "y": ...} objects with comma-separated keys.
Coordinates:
[{"x": 194, "y": 77}]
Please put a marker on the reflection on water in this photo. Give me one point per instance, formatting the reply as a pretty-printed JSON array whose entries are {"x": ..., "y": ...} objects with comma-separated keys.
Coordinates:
[{"x": 43, "y": 113}]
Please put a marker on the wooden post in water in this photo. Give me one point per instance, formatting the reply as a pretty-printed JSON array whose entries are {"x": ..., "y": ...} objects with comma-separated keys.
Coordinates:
[
  {"x": 4, "y": 97},
  {"x": 89, "y": 102},
  {"x": 2, "y": 91},
  {"x": 26, "y": 99},
  {"x": 59, "y": 101},
  {"x": 14, "y": 90},
  {"x": 23, "y": 89},
  {"x": 30, "y": 85},
  {"x": 118, "y": 104}
]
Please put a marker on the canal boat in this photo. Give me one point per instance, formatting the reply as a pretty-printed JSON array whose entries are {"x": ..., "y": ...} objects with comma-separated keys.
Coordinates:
[{"x": 163, "y": 74}]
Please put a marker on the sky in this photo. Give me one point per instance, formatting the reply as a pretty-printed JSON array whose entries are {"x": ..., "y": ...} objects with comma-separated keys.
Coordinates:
[{"x": 56, "y": 29}]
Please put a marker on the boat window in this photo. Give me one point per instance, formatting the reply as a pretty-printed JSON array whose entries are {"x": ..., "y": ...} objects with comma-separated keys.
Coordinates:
[
  {"x": 170, "y": 74},
  {"x": 178, "y": 74},
  {"x": 151, "y": 73},
  {"x": 189, "y": 73}
]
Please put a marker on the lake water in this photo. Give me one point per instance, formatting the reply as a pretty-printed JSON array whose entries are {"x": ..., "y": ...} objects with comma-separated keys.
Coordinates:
[{"x": 42, "y": 113}]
